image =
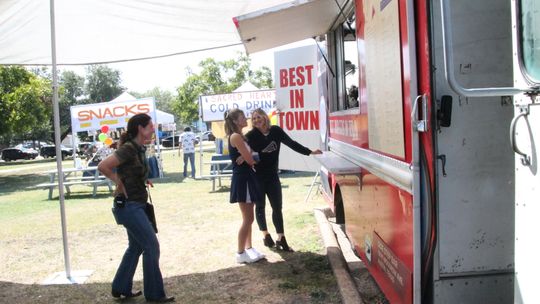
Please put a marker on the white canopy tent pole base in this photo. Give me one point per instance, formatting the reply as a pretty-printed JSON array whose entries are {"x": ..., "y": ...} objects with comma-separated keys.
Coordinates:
[{"x": 77, "y": 277}]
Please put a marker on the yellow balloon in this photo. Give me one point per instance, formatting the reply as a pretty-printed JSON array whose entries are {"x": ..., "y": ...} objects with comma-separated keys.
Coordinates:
[
  {"x": 273, "y": 116},
  {"x": 108, "y": 141}
]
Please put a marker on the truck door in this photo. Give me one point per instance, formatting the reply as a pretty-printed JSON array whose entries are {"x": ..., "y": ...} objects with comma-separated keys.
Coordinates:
[{"x": 525, "y": 140}]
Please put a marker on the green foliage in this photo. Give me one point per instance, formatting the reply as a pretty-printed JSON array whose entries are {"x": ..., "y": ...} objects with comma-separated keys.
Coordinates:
[
  {"x": 103, "y": 83},
  {"x": 25, "y": 103},
  {"x": 71, "y": 89},
  {"x": 164, "y": 99},
  {"x": 73, "y": 85},
  {"x": 216, "y": 78}
]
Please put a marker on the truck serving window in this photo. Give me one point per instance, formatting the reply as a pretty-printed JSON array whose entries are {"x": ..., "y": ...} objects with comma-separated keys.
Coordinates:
[
  {"x": 344, "y": 55},
  {"x": 530, "y": 38}
]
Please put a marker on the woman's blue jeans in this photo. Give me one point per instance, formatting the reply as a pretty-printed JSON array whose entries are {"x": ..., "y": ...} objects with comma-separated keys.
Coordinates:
[{"x": 142, "y": 240}]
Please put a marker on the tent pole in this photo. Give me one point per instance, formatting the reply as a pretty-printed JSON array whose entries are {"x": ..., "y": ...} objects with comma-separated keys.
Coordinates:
[{"x": 56, "y": 112}]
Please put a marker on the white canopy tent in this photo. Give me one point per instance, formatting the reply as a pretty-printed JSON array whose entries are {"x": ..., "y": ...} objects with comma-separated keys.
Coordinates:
[
  {"x": 81, "y": 32},
  {"x": 97, "y": 31},
  {"x": 161, "y": 116}
]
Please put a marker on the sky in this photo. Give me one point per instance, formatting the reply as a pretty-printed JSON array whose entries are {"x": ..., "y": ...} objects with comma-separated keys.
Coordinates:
[{"x": 170, "y": 72}]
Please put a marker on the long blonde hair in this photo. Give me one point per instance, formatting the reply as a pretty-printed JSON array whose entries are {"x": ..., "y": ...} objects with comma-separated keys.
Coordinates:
[
  {"x": 230, "y": 116},
  {"x": 263, "y": 114}
]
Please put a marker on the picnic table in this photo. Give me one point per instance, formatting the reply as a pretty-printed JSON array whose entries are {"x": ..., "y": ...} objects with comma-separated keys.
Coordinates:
[
  {"x": 88, "y": 176},
  {"x": 220, "y": 167}
]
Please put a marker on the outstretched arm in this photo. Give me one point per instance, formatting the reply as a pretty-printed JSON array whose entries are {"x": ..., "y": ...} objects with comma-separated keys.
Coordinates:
[{"x": 289, "y": 142}]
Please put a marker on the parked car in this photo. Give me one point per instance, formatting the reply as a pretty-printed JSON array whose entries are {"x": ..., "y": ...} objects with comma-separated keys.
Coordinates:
[
  {"x": 208, "y": 135},
  {"x": 50, "y": 151},
  {"x": 9, "y": 154},
  {"x": 167, "y": 142},
  {"x": 28, "y": 144}
]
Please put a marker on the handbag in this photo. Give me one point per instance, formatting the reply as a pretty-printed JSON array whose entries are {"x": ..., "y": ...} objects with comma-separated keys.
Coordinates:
[{"x": 149, "y": 210}]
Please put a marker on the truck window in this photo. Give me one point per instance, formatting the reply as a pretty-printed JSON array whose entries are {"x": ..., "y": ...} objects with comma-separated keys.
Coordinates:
[
  {"x": 530, "y": 38},
  {"x": 343, "y": 52}
]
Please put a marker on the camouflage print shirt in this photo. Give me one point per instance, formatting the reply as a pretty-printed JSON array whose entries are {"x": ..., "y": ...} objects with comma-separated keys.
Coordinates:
[{"x": 133, "y": 170}]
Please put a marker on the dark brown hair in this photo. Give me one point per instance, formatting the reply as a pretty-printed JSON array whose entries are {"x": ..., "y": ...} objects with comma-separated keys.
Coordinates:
[{"x": 132, "y": 131}]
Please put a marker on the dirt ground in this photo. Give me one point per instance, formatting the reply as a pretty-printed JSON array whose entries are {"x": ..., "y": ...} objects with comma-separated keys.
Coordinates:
[{"x": 197, "y": 236}]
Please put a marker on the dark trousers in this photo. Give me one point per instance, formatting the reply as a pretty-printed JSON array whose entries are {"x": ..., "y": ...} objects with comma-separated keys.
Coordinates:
[{"x": 270, "y": 187}]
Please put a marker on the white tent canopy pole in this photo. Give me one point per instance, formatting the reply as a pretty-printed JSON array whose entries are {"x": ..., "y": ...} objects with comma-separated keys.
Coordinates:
[{"x": 56, "y": 112}]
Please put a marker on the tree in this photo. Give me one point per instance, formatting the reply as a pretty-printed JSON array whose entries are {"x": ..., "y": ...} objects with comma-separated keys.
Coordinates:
[
  {"x": 25, "y": 103},
  {"x": 103, "y": 83},
  {"x": 164, "y": 99},
  {"x": 216, "y": 78},
  {"x": 70, "y": 93}
]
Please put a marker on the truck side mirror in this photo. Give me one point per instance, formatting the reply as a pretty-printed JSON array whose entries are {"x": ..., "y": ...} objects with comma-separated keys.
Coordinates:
[{"x": 444, "y": 114}]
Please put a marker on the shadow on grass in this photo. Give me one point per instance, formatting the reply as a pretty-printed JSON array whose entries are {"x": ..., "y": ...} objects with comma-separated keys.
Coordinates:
[
  {"x": 22, "y": 182},
  {"x": 303, "y": 277},
  {"x": 26, "y": 162},
  {"x": 87, "y": 195}
]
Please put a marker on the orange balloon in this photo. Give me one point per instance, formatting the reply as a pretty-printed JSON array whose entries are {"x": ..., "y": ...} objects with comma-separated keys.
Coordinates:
[{"x": 108, "y": 141}]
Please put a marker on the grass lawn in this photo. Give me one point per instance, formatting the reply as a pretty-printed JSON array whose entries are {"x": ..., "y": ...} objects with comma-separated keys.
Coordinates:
[{"x": 198, "y": 230}]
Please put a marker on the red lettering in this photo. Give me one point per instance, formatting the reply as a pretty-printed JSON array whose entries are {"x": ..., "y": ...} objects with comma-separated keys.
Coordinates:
[
  {"x": 314, "y": 119},
  {"x": 300, "y": 120},
  {"x": 283, "y": 78},
  {"x": 299, "y": 98},
  {"x": 281, "y": 119},
  {"x": 308, "y": 72},
  {"x": 296, "y": 76},
  {"x": 300, "y": 72},
  {"x": 289, "y": 122},
  {"x": 291, "y": 77}
]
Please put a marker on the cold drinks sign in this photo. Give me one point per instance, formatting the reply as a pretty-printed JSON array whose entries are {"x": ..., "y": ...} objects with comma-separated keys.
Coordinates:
[
  {"x": 213, "y": 107},
  {"x": 297, "y": 99}
]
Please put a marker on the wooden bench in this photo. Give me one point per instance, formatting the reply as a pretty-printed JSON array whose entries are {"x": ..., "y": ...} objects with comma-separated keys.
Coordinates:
[{"x": 86, "y": 180}]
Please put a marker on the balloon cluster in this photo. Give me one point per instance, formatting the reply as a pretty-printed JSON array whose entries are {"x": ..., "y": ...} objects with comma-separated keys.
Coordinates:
[{"x": 103, "y": 137}]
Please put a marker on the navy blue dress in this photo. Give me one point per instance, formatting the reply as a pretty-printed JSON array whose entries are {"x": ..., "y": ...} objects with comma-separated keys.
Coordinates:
[{"x": 244, "y": 187}]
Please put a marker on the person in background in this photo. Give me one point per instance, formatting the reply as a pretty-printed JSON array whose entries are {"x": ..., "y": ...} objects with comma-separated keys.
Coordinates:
[
  {"x": 244, "y": 188},
  {"x": 128, "y": 169},
  {"x": 266, "y": 140},
  {"x": 187, "y": 144}
]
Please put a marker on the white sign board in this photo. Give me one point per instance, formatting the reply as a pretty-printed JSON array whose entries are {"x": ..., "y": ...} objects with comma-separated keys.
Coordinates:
[
  {"x": 113, "y": 114},
  {"x": 213, "y": 107},
  {"x": 297, "y": 99}
]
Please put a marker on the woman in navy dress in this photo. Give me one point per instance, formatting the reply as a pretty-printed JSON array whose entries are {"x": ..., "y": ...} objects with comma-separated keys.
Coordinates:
[{"x": 244, "y": 187}]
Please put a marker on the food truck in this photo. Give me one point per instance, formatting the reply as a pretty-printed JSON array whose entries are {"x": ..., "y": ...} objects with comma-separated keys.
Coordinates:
[{"x": 431, "y": 130}]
